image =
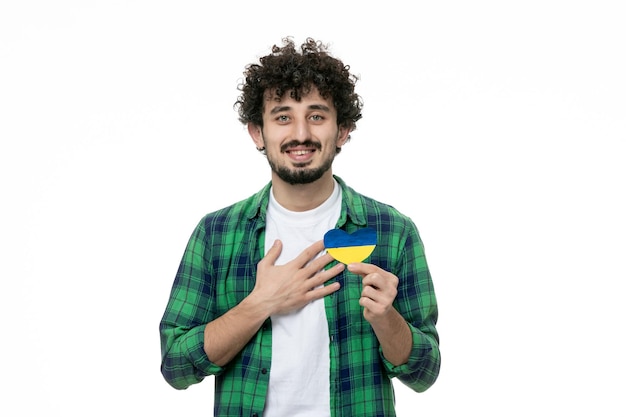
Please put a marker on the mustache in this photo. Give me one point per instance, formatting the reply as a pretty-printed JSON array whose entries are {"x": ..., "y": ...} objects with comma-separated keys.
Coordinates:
[{"x": 294, "y": 143}]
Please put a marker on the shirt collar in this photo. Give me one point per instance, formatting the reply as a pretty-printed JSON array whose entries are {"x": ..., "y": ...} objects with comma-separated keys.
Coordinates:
[{"x": 352, "y": 204}]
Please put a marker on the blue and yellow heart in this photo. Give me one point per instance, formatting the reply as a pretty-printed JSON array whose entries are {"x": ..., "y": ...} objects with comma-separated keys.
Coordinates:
[{"x": 348, "y": 248}]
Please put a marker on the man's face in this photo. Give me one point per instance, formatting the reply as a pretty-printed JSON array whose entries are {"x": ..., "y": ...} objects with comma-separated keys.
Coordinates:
[{"x": 300, "y": 137}]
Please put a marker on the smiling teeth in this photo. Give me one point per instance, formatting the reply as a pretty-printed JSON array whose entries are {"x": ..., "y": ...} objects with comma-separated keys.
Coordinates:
[{"x": 299, "y": 152}]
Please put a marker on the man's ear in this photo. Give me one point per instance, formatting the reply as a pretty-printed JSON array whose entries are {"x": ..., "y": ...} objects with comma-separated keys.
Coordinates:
[
  {"x": 343, "y": 135},
  {"x": 256, "y": 133}
]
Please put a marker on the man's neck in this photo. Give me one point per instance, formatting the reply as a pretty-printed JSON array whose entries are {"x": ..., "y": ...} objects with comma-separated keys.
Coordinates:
[{"x": 303, "y": 197}]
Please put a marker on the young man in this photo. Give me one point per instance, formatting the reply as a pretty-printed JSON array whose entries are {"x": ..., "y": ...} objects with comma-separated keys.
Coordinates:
[{"x": 260, "y": 304}]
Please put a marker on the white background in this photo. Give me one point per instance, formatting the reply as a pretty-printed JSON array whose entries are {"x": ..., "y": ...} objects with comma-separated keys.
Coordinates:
[{"x": 499, "y": 127}]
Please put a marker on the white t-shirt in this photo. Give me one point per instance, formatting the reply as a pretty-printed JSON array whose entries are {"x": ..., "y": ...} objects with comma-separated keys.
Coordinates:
[{"x": 299, "y": 383}]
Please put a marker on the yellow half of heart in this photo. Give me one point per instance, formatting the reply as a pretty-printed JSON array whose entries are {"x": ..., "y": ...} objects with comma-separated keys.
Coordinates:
[{"x": 351, "y": 254}]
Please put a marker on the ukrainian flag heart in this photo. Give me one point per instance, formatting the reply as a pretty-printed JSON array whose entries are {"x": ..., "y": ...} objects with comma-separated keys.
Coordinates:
[{"x": 348, "y": 248}]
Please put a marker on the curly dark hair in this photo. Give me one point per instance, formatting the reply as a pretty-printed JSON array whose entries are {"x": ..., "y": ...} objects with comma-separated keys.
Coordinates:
[{"x": 286, "y": 70}]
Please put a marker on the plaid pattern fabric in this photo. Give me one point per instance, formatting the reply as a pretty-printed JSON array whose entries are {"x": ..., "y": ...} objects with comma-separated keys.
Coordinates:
[{"x": 218, "y": 270}]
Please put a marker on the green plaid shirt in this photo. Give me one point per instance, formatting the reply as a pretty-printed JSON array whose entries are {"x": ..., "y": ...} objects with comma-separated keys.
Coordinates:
[{"x": 218, "y": 271}]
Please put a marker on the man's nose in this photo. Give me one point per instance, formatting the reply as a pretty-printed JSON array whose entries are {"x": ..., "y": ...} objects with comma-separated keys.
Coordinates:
[{"x": 302, "y": 130}]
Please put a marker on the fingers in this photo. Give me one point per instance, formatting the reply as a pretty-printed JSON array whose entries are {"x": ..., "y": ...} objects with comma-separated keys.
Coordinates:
[
  {"x": 379, "y": 286},
  {"x": 383, "y": 294},
  {"x": 301, "y": 260},
  {"x": 380, "y": 280},
  {"x": 363, "y": 269},
  {"x": 379, "y": 292},
  {"x": 319, "y": 263},
  {"x": 309, "y": 262},
  {"x": 323, "y": 276},
  {"x": 322, "y": 291},
  {"x": 373, "y": 275},
  {"x": 317, "y": 281},
  {"x": 273, "y": 253},
  {"x": 309, "y": 253}
]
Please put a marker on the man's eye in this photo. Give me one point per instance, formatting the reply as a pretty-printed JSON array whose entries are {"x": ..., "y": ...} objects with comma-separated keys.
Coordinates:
[
  {"x": 317, "y": 117},
  {"x": 282, "y": 118}
]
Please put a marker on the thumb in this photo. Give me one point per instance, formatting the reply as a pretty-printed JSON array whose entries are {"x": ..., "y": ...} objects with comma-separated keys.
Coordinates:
[{"x": 273, "y": 253}]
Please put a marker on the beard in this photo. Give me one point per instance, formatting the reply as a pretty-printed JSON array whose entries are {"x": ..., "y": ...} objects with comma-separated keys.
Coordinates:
[{"x": 300, "y": 174}]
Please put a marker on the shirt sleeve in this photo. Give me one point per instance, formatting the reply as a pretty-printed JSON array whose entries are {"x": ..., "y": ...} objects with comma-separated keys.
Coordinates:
[
  {"x": 417, "y": 303},
  {"x": 183, "y": 359}
]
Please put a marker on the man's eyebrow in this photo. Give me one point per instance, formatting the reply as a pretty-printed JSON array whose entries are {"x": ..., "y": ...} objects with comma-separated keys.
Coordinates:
[
  {"x": 279, "y": 109},
  {"x": 321, "y": 107}
]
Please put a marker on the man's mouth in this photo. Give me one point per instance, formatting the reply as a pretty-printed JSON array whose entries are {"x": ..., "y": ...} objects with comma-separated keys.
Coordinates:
[
  {"x": 299, "y": 152},
  {"x": 298, "y": 148}
]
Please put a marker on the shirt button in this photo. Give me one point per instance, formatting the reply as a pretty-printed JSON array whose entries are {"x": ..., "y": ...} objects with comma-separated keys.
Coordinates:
[
  {"x": 264, "y": 371},
  {"x": 255, "y": 415}
]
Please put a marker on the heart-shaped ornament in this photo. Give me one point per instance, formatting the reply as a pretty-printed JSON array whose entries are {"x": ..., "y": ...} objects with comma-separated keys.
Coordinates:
[{"x": 348, "y": 248}]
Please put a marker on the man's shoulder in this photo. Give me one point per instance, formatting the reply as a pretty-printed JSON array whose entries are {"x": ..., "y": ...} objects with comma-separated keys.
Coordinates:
[
  {"x": 363, "y": 205},
  {"x": 387, "y": 213}
]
